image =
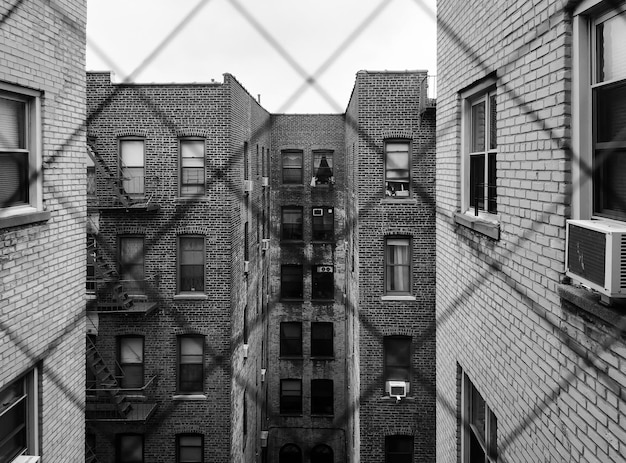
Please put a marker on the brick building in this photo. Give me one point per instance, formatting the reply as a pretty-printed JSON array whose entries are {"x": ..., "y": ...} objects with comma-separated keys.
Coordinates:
[
  {"x": 42, "y": 220},
  {"x": 530, "y": 343},
  {"x": 218, "y": 244}
]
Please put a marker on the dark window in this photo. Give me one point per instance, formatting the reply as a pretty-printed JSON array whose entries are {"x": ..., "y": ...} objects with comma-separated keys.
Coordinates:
[
  {"x": 323, "y": 219},
  {"x": 130, "y": 359},
  {"x": 191, "y": 264},
  {"x": 397, "y": 265},
  {"x": 292, "y": 223},
  {"x": 91, "y": 283},
  {"x": 322, "y": 396},
  {"x": 322, "y": 284},
  {"x": 482, "y": 179},
  {"x": 290, "y": 453},
  {"x": 129, "y": 448},
  {"x": 291, "y": 339},
  {"x": 292, "y": 167},
  {"x": 191, "y": 364},
  {"x": 323, "y": 167},
  {"x": 132, "y": 153},
  {"x": 397, "y": 358},
  {"x": 131, "y": 263},
  {"x": 291, "y": 396},
  {"x": 192, "y": 172},
  {"x": 322, "y": 339},
  {"x": 322, "y": 454},
  {"x": 291, "y": 282},
  {"x": 18, "y": 418},
  {"x": 480, "y": 424},
  {"x": 189, "y": 448},
  {"x": 397, "y": 169},
  {"x": 398, "y": 449},
  {"x": 246, "y": 161}
]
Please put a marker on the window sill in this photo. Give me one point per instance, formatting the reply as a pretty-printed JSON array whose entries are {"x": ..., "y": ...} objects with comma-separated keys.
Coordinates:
[
  {"x": 323, "y": 301},
  {"x": 323, "y": 415},
  {"x": 291, "y": 300},
  {"x": 190, "y": 199},
  {"x": 398, "y": 297},
  {"x": 191, "y": 297},
  {"x": 291, "y": 241},
  {"x": 291, "y": 357},
  {"x": 26, "y": 218},
  {"x": 478, "y": 224},
  {"x": 323, "y": 358},
  {"x": 189, "y": 397},
  {"x": 291, "y": 415},
  {"x": 398, "y": 200},
  {"x": 579, "y": 299},
  {"x": 322, "y": 242}
]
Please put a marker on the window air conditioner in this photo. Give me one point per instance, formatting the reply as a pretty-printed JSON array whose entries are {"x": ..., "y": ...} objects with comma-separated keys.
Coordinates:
[
  {"x": 264, "y": 436},
  {"x": 318, "y": 212},
  {"x": 397, "y": 389},
  {"x": 265, "y": 181},
  {"x": 246, "y": 266},
  {"x": 247, "y": 186},
  {"x": 595, "y": 255},
  {"x": 26, "y": 459},
  {"x": 324, "y": 269},
  {"x": 245, "y": 350},
  {"x": 265, "y": 244}
]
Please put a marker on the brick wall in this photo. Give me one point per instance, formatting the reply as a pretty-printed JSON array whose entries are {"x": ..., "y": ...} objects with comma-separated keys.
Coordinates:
[{"x": 42, "y": 263}]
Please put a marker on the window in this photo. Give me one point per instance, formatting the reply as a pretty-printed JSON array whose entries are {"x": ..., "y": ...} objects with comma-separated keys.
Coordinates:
[
  {"x": 292, "y": 167},
  {"x": 132, "y": 165},
  {"x": 478, "y": 441},
  {"x": 398, "y": 265},
  {"x": 322, "y": 453},
  {"x": 291, "y": 396},
  {"x": 323, "y": 224},
  {"x": 323, "y": 167},
  {"x": 19, "y": 417},
  {"x": 480, "y": 148},
  {"x": 322, "y": 339},
  {"x": 191, "y": 256},
  {"x": 130, "y": 359},
  {"x": 292, "y": 223},
  {"x": 397, "y": 358},
  {"x": 131, "y": 261},
  {"x": 192, "y": 173},
  {"x": 20, "y": 155},
  {"x": 291, "y": 282},
  {"x": 322, "y": 282},
  {"x": 290, "y": 453},
  {"x": 398, "y": 449},
  {"x": 321, "y": 396},
  {"x": 291, "y": 339},
  {"x": 91, "y": 178},
  {"x": 397, "y": 168},
  {"x": 189, "y": 448},
  {"x": 191, "y": 364},
  {"x": 91, "y": 284},
  {"x": 129, "y": 448}
]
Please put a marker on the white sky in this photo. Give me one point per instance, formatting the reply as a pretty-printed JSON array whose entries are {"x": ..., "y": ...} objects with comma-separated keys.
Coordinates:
[{"x": 219, "y": 37}]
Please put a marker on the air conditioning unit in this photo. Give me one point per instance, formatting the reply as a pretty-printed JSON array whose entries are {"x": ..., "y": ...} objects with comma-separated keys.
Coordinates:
[
  {"x": 264, "y": 436},
  {"x": 265, "y": 244},
  {"x": 318, "y": 212},
  {"x": 397, "y": 389},
  {"x": 595, "y": 255},
  {"x": 247, "y": 186},
  {"x": 324, "y": 269},
  {"x": 246, "y": 266},
  {"x": 245, "y": 351},
  {"x": 265, "y": 181},
  {"x": 27, "y": 459}
]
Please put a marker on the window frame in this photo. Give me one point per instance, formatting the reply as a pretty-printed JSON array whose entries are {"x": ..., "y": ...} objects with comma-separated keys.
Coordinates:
[
  {"x": 181, "y": 184},
  {"x": 32, "y": 150},
  {"x": 405, "y": 457},
  {"x": 489, "y": 442},
  {"x": 329, "y": 154},
  {"x": 27, "y": 398},
  {"x": 479, "y": 93},
  {"x": 284, "y": 409},
  {"x": 320, "y": 397},
  {"x": 322, "y": 351},
  {"x": 318, "y": 279},
  {"x": 141, "y": 376},
  {"x": 388, "y": 266},
  {"x": 407, "y": 366},
  {"x": 285, "y": 341},
  {"x": 178, "y": 447},
  {"x": 293, "y": 235},
  {"x": 588, "y": 15},
  {"x": 122, "y": 165},
  {"x": 132, "y": 286},
  {"x": 118, "y": 447},
  {"x": 300, "y": 168},
  {"x": 392, "y": 193},
  {"x": 322, "y": 228},
  {"x": 179, "y": 265},
  {"x": 179, "y": 365},
  {"x": 300, "y": 269}
]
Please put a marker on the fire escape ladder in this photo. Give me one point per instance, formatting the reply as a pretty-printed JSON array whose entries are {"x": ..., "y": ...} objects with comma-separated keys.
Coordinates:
[
  {"x": 90, "y": 456},
  {"x": 103, "y": 271},
  {"x": 115, "y": 181}
]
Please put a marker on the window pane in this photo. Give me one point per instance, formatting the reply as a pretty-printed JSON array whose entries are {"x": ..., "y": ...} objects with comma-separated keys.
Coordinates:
[
  {"x": 291, "y": 338},
  {"x": 477, "y": 181},
  {"x": 611, "y": 113},
  {"x": 13, "y": 179},
  {"x": 322, "y": 396},
  {"x": 191, "y": 264},
  {"x": 292, "y": 168},
  {"x": 491, "y": 183},
  {"x": 290, "y": 396},
  {"x": 131, "y": 350},
  {"x": 322, "y": 224},
  {"x": 397, "y": 165},
  {"x": 397, "y": 358},
  {"x": 322, "y": 339},
  {"x": 492, "y": 122},
  {"x": 478, "y": 127},
  {"x": 612, "y": 53},
  {"x": 398, "y": 449},
  {"x": 131, "y": 449},
  {"x": 190, "y": 449},
  {"x": 323, "y": 285},
  {"x": 133, "y": 179},
  {"x": 12, "y": 118},
  {"x": 322, "y": 167},
  {"x": 292, "y": 223},
  {"x": 132, "y": 152},
  {"x": 192, "y": 162},
  {"x": 398, "y": 265},
  {"x": 610, "y": 183},
  {"x": 291, "y": 282}
]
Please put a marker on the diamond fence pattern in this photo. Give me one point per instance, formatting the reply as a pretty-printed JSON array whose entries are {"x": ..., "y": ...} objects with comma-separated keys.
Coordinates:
[{"x": 311, "y": 80}]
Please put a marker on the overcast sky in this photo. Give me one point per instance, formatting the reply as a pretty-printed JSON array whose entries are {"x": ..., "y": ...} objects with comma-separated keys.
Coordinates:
[{"x": 270, "y": 46}]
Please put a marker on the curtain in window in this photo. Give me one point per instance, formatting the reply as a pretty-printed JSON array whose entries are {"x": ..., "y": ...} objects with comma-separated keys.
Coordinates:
[
  {"x": 323, "y": 168},
  {"x": 398, "y": 265}
]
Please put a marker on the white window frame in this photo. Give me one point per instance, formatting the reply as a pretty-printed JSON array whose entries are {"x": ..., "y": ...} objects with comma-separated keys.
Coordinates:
[
  {"x": 585, "y": 16},
  {"x": 123, "y": 166},
  {"x": 182, "y": 167},
  {"x": 34, "y": 147},
  {"x": 31, "y": 397},
  {"x": 479, "y": 92},
  {"x": 490, "y": 444}
]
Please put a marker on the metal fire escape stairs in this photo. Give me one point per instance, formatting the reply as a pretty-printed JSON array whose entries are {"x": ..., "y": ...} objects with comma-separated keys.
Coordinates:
[{"x": 119, "y": 297}]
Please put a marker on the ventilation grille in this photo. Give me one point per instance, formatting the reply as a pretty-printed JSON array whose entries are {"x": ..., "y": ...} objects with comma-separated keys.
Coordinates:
[
  {"x": 622, "y": 264},
  {"x": 587, "y": 253}
]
